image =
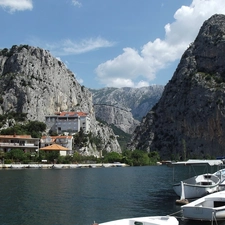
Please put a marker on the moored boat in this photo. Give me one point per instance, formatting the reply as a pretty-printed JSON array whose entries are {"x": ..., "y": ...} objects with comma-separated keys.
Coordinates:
[
  {"x": 207, "y": 208},
  {"x": 198, "y": 185},
  {"x": 151, "y": 220}
]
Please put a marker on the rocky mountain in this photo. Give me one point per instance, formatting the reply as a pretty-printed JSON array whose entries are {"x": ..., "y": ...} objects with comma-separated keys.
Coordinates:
[
  {"x": 125, "y": 107},
  {"x": 189, "y": 119},
  {"x": 34, "y": 82}
]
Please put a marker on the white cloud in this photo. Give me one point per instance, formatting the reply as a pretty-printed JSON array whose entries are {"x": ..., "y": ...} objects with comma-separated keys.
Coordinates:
[
  {"x": 72, "y": 47},
  {"x": 120, "y": 71},
  {"x": 69, "y": 47},
  {"x": 156, "y": 55},
  {"x": 76, "y": 3},
  {"x": 142, "y": 84},
  {"x": 16, "y": 5}
]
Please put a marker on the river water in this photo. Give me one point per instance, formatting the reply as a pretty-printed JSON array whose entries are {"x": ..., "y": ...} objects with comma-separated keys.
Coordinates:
[{"x": 82, "y": 196}]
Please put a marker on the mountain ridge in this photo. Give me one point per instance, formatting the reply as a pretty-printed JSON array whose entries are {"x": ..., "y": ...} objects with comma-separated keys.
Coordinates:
[
  {"x": 124, "y": 107},
  {"x": 32, "y": 81},
  {"x": 189, "y": 119}
]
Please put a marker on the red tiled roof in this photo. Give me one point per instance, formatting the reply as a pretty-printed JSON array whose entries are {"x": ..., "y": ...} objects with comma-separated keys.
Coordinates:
[
  {"x": 71, "y": 114},
  {"x": 54, "y": 147},
  {"x": 64, "y": 137},
  {"x": 53, "y": 138}
]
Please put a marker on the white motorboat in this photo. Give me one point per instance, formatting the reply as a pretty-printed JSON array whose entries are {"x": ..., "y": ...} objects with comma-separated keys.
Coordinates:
[
  {"x": 198, "y": 185},
  {"x": 207, "y": 208},
  {"x": 151, "y": 220}
]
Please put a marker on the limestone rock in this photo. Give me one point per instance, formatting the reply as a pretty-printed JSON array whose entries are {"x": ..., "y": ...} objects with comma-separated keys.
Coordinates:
[
  {"x": 189, "y": 119},
  {"x": 32, "y": 81},
  {"x": 124, "y": 107}
]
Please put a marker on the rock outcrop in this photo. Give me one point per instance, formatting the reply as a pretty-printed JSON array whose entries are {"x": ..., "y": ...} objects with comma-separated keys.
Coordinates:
[
  {"x": 34, "y": 82},
  {"x": 189, "y": 119},
  {"x": 125, "y": 107}
]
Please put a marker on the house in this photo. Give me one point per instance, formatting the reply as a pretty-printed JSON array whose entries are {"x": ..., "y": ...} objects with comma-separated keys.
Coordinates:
[
  {"x": 70, "y": 122},
  {"x": 57, "y": 148},
  {"x": 24, "y": 142},
  {"x": 63, "y": 141}
]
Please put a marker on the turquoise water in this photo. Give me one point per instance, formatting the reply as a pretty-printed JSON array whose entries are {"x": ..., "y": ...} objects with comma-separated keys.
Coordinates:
[{"x": 82, "y": 196}]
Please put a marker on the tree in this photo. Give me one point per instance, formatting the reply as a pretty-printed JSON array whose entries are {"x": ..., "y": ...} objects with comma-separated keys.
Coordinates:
[
  {"x": 50, "y": 156},
  {"x": 77, "y": 157},
  {"x": 35, "y": 128},
  {"x": 112, "y": 157},
  {"x": 154, "y": 157},
  {"x": 140, "y": 158},
  {"x": 16, "y": 155},
  {"x": 126, "y": 157},
  {"x": 80, "y": 139}
]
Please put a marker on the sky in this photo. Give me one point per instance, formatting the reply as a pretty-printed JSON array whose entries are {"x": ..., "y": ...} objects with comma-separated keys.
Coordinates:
[{"x": 109, "y": 43}]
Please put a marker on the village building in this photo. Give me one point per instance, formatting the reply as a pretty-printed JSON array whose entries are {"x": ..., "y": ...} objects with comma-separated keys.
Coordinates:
[
  {"x": 68, "y": 122},
  {"x": 23, "y": 142},
  {"x": 62, "y": 144}
]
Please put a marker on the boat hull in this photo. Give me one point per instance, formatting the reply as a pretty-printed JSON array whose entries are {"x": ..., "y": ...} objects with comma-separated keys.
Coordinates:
[
  {"x": 208, "y": 208},
  {"x": 154, "y": 220},
  {"x": 197, "y": 186},
  {"x": 206, "y": 214}
]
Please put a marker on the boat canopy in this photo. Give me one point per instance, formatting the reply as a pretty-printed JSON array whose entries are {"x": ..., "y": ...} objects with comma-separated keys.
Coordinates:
[{"x": 210, "y": 162}]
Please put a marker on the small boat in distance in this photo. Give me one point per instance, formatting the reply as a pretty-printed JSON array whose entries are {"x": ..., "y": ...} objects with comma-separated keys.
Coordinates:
[
  {"x": 151, "y": 220},
  {"x": 207, "y": 208}
]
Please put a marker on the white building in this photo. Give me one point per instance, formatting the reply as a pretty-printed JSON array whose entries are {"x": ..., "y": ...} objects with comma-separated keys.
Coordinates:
[
  {"x": 64, "y": 141},
  {"x": 70, "y": 122},
  {"x": 23, "y": 142}
]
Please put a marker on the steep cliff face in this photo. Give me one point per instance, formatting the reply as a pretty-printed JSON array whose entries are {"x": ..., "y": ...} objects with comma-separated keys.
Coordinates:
[
  {"x": 189, "y": 119},
  {"x": 124, "y": 107},
  {"x": 34, "y": 82},
  {"x": 121, "y": 118}
]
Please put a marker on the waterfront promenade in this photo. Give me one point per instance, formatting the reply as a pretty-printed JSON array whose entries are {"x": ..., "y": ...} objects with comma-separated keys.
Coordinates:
[{"x": 60, "y": 166}]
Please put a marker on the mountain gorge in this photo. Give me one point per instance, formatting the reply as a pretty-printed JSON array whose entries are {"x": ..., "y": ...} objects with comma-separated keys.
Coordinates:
[
  {"x": 32, "y": 81},
  {"x": 189, "y": 119},
  {"x": 125, "y": 107}
]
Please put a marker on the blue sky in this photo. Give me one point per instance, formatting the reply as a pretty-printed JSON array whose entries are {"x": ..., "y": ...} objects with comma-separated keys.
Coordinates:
[{"x": 109, "y": 43}]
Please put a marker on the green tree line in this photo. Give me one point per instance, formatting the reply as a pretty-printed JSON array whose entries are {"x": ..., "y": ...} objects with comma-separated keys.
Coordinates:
[{"x": 132, "y": 158}]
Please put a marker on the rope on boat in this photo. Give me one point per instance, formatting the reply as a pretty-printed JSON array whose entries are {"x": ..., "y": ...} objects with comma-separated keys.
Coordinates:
[
  {"x": 176, "y": 213},
  {"x": 213, "y": 216}
]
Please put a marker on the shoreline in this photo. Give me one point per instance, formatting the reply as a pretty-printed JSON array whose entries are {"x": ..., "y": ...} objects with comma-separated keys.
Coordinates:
[{"x": 60, "y": 166}]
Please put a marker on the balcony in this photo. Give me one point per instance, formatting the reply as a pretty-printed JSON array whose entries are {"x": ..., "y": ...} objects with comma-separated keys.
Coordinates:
[{"x": 17, "y": 145}]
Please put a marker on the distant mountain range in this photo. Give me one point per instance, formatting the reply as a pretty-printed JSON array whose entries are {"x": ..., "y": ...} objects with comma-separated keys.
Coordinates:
[{"x": 125, "y": 107}]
